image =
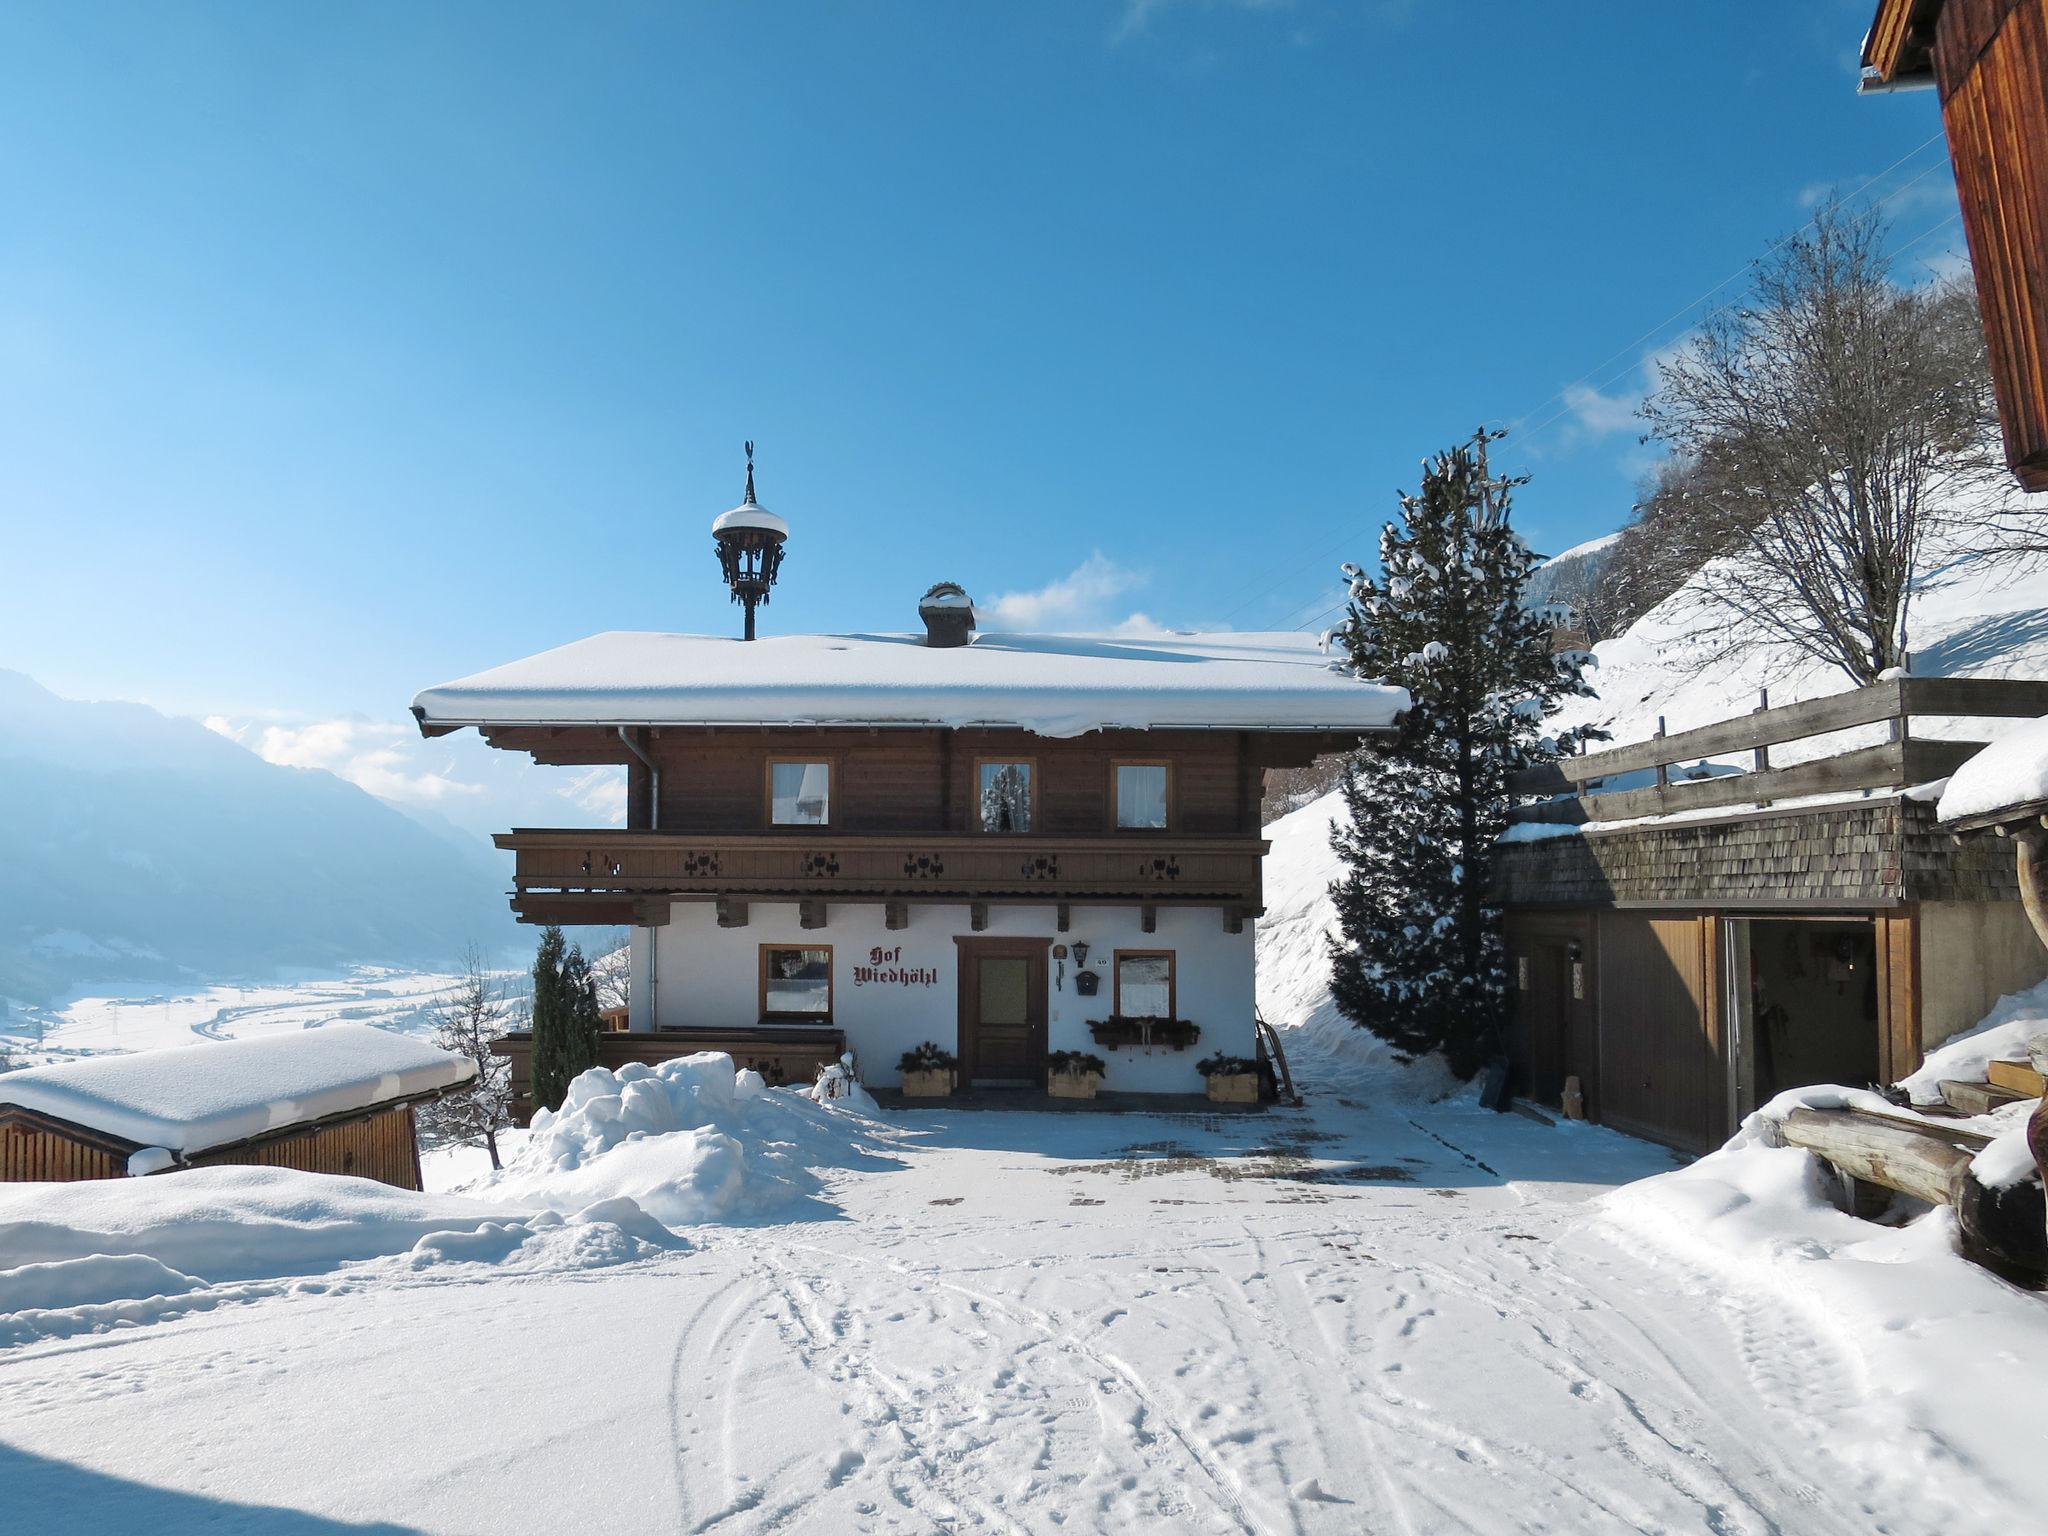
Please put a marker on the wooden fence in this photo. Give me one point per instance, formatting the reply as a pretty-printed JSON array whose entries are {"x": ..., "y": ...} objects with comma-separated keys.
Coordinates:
[{"x": 1899, "y": 762}]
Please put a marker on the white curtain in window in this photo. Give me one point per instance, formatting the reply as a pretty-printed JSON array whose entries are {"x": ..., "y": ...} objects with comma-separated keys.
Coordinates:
[
  {"x": 802, "y": 794},
  {"x": 1141, "y": 795}
]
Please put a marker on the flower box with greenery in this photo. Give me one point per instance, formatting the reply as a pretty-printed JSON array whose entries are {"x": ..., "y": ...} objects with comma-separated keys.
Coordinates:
[
  {"x": 928, "y": 1071},
  {"x": 1118, "y": 1030},
  {"x": 1231, "y": 1079},
  {"x": 1074, "y": 1074}
]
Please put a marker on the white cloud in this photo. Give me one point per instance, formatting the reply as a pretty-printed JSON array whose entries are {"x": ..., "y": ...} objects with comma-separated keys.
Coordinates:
[
  {"x": 1083, "y": 599},
  {"x": 480, "y": 788},
  {"x": 1598, "y": 414}
]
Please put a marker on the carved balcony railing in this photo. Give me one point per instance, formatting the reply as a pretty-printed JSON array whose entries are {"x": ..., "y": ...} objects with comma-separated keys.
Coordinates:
[{"x": 560, "y": 869}]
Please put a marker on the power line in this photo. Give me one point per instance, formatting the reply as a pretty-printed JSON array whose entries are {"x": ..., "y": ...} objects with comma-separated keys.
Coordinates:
[{"x": 1523, "y": 433}]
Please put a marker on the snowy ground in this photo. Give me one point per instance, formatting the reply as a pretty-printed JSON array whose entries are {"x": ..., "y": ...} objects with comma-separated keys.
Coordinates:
[
  {"x": 1369, "y": 1315},
  {"x": 144, "y": 1019}
]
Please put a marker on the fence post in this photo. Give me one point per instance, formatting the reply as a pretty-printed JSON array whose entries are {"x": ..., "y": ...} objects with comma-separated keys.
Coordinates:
[
  {"x": 1761, "y": 761},
  {"x": 1663, "y": 769}
]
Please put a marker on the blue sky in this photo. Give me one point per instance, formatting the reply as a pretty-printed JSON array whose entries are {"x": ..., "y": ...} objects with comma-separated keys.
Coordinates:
[{"x": 348, "y": 349}]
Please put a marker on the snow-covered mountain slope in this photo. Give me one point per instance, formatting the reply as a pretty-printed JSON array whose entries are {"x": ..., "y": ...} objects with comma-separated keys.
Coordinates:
[
  {"x": 142, "y": 847},
  {"x": 1971, "y": 615},
  {"x": 1567, "y": 576}
]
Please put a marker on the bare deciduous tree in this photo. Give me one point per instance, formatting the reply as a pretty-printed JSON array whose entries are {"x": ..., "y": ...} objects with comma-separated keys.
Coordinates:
[
  {"x": 1824, "y": 427},
  {"x": 469, "y": 1023}
]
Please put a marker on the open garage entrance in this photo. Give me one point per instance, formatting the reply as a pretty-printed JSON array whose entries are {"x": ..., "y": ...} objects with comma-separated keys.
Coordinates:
[{"x": 1803, "y": 1004}]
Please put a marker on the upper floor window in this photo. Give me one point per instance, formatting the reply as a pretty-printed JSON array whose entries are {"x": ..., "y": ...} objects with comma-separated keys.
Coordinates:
[
  {"x": 1142, "y": 793},
  {"x": 1003, "y": 799},
  {"x": 799, "y": 794}
]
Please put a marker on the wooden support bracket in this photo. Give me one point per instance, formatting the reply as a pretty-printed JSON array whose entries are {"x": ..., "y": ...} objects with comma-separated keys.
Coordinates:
[
  {"x": 1066, "y": 917},
  {"x": 896, "y": 914},
  {"x": 732, "y": 912},
  {"x": 653, "y": 913},
  {"x": 1233, "y": 919},
  {"x": 810, "y": 913},
  {"x": 1148, "y": 918},
  {"x": 977, "y": 916}
]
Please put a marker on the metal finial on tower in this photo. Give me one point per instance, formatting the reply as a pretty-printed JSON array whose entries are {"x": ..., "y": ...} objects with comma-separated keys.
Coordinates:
[{"x": 750, "y": 477}]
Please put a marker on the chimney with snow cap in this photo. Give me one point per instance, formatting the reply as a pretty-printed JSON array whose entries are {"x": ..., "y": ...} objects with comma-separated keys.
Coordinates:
[{"x": 948, "y": 614}]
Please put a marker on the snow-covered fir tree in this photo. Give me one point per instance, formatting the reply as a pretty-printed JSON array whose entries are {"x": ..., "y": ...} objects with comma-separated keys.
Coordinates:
[{"x": 1419, "y": 959}]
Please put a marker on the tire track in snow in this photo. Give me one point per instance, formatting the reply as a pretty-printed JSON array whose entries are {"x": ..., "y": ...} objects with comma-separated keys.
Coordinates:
[{"x": 1062, "y": 1334}]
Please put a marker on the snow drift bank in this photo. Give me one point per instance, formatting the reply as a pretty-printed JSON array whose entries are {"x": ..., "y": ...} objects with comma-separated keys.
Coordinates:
[
  {"x": 690, "y": 1141},
  {"x": 1294, "y": 968},
  {"x": 107, "y": 1253}
]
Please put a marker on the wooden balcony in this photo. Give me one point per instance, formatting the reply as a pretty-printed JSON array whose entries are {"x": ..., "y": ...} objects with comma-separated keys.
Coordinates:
[{"x": 575, "y": 876}]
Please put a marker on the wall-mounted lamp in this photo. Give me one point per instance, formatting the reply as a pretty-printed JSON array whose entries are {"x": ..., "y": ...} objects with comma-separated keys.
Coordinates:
[{"x": 1080, "y": 952}]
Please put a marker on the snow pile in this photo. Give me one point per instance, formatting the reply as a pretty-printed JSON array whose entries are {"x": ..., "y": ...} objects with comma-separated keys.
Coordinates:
[
  {"x": 192, "y": 1097},
  {"x": 2004, "y": 1034},
  {"x": 1324, "y": 1048},
  {"x": 615, "y": 1231},
  {"x": 2010, "y": 773},
  {"x": 1899, "y": 1304},
  {"x": 690, "y": 1140},
  {"x": 226, "y": 1223}
]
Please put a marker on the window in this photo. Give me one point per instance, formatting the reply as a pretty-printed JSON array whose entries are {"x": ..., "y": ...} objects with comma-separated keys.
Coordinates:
[
  {"x": 796, "y": 981},
  {"x": 799, "y": 794},
  {"x": 1144, "y": 983},
  {"x": 1141, "y": 796},
  {"x": 1003, "y": 796}
]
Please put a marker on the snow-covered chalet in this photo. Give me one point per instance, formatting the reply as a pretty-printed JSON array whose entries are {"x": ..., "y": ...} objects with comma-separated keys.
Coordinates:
[{"x": 1007, "y": 844}]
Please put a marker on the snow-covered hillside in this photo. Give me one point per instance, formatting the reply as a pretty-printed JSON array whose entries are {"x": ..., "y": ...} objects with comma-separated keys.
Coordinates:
[{"x": 1970, "y": 616}]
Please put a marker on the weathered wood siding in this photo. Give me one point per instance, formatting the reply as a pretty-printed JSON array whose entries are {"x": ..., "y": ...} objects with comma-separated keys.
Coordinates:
[
  {"x": 1898, "y": 994},
  {"x": 1662, "y": 1071},
  {"x": 1861, "y": 854},
  {"x": 381, "y": 1146},
  {"x": 1991, "y": 63},
  {"x": 33, "y": 1153}
]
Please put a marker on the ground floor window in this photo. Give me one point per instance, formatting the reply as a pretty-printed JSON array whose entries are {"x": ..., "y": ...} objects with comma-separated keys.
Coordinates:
[
  {"x": 1144, "y": 983},
  {"x": 796, "y": 981}
]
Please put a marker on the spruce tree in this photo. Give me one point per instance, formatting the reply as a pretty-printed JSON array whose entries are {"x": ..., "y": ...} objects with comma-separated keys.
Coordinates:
[
  {"x": 550, "y": 1060},
  {"x": 582, "y": 1015},
  {"x": 1419, "y": 959}
]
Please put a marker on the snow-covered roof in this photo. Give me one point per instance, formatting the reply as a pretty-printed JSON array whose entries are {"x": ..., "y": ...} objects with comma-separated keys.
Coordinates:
[
  {"x": 1053, "y": 685},
  {"x": 192, "y": 1097},
  {"x": 2009, "y": 775},
  {"x": 747, "y": 515}
]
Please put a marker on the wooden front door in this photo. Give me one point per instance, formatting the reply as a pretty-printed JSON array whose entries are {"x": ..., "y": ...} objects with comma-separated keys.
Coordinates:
[{"x": 1002, "y": 1010}]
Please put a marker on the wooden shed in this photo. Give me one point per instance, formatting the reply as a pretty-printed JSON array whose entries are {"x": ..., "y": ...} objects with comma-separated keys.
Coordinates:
[
  {"x": 1689, "y": 947},
  {"x": 339, "y": 1099}
]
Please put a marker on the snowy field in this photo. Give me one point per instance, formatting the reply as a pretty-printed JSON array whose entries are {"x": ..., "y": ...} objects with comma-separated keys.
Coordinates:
[
  {"x": 1372, "y": 1314},
  {"x": 145, "y": 1019}
]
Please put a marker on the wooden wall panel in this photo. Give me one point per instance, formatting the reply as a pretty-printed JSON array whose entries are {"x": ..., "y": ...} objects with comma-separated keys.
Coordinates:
[
  {"x": 1991, "y": 62},
  {"x": 35, "y": 1156},
  {"x": 380, "y": 1147},
  {"x": 1898, "y": 993},
  {"x": 924, "y": 781},
  {"x": 1661, "y": 1070}
]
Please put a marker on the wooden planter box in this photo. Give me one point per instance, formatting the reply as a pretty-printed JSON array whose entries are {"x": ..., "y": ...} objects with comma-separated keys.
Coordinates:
[
  {"x": 1234, "y": 1088},
  {"x": 935, "y": 1084},
  {"x": 1115, "y": 1033},
  {"x": 1072, "y": 1085}
]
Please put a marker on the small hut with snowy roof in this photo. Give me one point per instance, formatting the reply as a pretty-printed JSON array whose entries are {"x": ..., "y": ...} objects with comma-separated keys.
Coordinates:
[{"x": 338, "y": 1099}]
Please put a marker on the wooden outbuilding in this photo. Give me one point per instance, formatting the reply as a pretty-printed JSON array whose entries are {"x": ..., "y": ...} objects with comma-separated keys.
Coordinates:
[
  {"x": 1689, "y": 947},
  {"x": 339, "y": 1099},
  {"x": 1989, "y": 60}
]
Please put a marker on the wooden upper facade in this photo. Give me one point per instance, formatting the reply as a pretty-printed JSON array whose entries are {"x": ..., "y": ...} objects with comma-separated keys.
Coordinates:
[
  {"x": 1989, "y": 60},
  {"x": 904, "y": 818}
]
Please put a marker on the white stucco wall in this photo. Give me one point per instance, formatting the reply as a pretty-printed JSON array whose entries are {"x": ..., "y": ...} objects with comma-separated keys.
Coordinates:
[{"x": 708, "y": 976}]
